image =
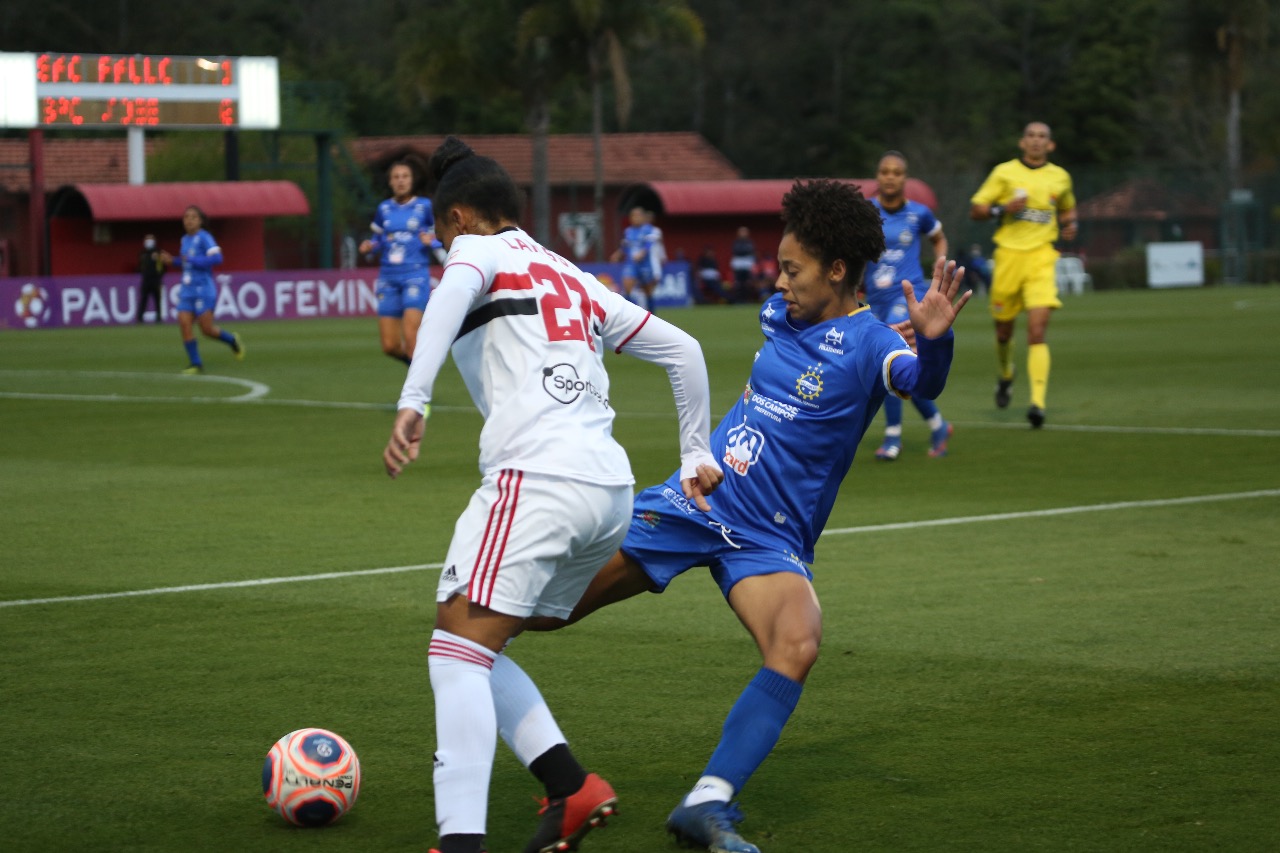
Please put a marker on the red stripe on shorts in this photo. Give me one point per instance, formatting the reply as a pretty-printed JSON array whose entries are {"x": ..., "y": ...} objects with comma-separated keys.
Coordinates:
[{"x": 484, "y": 574}]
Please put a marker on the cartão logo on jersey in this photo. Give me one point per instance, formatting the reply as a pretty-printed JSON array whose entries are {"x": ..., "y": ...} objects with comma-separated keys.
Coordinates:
[
  {"x": 743, "y": 447},
  {"x": 833, "y": 342},
  {"x": 562, "y": 382}
]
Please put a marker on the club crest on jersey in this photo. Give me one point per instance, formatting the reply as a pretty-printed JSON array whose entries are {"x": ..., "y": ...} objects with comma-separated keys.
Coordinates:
[
  {"x": 809, "y": 384},
  {"x": 743, "y": 446},
  {"x": 905, "y": 237},
  {"x": 833, "y": 342}
]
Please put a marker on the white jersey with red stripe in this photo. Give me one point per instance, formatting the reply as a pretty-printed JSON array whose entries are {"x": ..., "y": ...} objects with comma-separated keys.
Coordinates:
[{"x": 529, "y": 331}]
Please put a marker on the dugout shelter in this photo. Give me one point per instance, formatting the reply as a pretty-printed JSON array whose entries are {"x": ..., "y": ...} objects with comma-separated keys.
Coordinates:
[
  {"x": 696, "y": 214},
  {"x": 99, "y": 228}
]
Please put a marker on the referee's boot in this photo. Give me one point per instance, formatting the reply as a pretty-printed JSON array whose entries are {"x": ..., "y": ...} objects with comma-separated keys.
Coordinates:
[
  {"x": 565, "y": 820},
  {"x": 1002, "y": 392}
]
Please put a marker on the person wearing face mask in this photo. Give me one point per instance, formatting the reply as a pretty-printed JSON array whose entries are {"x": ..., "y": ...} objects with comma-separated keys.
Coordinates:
[{"x": 151, "y": 267}]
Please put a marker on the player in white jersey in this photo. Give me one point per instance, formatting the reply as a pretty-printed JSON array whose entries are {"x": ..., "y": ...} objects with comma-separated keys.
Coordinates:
[{"x": 528, "y": 332}]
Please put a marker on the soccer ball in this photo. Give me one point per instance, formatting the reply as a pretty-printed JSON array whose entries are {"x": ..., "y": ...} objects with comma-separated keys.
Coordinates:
[{"x": 311, "y": 777}]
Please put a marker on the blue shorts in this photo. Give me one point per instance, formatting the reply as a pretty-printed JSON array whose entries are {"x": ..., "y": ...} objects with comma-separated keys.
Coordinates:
[
  {"x": 197, "y": 298},
  {"x": 894, "y": 311},
  {"x": 669, "y": 536},
  {"x": 641, "y": 272},
  {"x": 397, "y": 295}
]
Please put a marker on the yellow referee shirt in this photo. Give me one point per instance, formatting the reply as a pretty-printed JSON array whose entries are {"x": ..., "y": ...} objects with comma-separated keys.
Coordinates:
[{"x": 1048, "y": 189}]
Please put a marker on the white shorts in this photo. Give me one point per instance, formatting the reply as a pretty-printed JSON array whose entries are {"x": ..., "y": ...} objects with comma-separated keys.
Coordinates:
[{"x": 529, "y": 544}]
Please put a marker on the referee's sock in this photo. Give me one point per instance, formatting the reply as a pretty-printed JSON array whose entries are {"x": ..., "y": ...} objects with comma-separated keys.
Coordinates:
[
  {"x": 1004, "y": 358},
  {"x": 753, "y": 727},
  {"x": 1038, "y": 373}
]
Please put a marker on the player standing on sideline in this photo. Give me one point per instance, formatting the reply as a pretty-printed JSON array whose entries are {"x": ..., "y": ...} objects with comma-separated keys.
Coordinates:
[
  {"x": 1033, "y": 200},
  {"x": 529, "y": 331},
  {"x": 198, "y": 294},
  {"x": 906, "y": 222},
  {"x": 816, "y": 383},
  {"x": 640, "y": 249},
  {"x": 404, "y": 238}
]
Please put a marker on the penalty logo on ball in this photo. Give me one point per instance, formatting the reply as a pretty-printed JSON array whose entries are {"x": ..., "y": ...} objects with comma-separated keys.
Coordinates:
[{"x": 311, "y": 777}]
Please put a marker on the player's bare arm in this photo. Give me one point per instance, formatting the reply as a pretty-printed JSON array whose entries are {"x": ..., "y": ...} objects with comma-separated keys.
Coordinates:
[
  {"x": 932, "y": 316},
  {"x": 405, "y": 442}
]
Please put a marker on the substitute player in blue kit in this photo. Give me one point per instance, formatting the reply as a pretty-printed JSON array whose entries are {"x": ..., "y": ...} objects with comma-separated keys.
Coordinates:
[
  {"x": 198, "y": 293},
  {"x": 404, "y": 240},
  {"x": 906, "y": 224},
  {"x": 817, "y": 382},
  {"x": 641, "y": 256}
]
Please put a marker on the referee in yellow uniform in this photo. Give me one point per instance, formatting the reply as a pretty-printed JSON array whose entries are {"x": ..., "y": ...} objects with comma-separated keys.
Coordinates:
[{"x": 1033, "y": 200}]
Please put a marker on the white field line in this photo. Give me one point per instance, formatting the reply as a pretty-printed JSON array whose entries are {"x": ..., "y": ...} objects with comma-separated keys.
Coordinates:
[
  {"x": 840, "y": 531},
  {"x": 257, "y": 392}
]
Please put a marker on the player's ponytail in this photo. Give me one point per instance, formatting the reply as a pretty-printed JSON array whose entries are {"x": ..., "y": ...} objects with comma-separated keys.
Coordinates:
[{"x": 458, "y": 175}]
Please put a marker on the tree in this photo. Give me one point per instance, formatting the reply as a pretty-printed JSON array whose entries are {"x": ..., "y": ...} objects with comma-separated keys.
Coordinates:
[
  {"x": 592, "y": 34},
  {"x": 485, "y": 56}
]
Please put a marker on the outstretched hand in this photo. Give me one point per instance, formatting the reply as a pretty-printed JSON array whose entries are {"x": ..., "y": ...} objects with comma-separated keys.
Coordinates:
[
  {"x": 405, "y": 442},
  {"x": 933, "y": 315}
]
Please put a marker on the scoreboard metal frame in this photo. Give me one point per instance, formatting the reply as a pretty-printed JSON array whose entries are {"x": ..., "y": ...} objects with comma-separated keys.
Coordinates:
[{"x": 150, "y": 91}]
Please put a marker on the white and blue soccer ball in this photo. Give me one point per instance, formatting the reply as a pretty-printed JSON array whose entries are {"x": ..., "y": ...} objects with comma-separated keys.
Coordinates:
[{"x": 311, "y": 777}]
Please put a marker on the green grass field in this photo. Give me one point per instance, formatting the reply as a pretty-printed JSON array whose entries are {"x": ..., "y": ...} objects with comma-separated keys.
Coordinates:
[{"x": 1019, "y": 678}]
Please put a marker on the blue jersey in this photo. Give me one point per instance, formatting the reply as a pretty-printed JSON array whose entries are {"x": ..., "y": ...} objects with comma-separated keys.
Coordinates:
[
  {"x": 904, "y": 228},
  {"x": 789, "y": 440},
  {"x": 396, "y": 236},
  {"x": 639, "y": 250},
  {"x": 199, "y": 254}
]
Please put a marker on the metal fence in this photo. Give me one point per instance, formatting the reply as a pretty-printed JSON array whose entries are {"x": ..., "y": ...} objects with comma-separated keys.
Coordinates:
[{"x": 1121, "y": 212}]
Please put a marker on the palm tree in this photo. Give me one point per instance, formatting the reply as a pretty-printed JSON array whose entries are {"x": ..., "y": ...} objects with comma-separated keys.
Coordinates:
[
  {"x": 593, "y": 35},
  {"x": 473, "y": 51}
]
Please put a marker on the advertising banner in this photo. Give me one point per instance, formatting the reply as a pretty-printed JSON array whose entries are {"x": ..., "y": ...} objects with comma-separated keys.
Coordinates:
[{"x": 112, "y": 300}]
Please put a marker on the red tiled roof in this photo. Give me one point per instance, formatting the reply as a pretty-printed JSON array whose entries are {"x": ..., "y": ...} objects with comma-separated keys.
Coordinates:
[
  {"x": 1145, "y": 199},
  {"x": 68, "y": 161},
  {"x": 701, "y": 198},
  {"x": 628, "y": 157}
]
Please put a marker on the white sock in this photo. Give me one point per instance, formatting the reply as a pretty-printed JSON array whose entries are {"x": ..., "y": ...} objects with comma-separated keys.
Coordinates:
[
  {"x": 466, "y": 731},
  {"x": 935, "y": 422},
  {"x": 894, "y": 431},
  {"x": 524, "y": 720},
  {"x": 709, "y": 788}
]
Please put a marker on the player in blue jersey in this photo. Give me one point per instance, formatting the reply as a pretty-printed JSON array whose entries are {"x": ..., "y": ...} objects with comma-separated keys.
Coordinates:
[
  {"x": 404, "y": 240},
  {"x": 198, "y": 293},
  {"x": 817, "y": 382},
  {"x": 641, "y": 256},
  {"x": 906, "y": 224}
]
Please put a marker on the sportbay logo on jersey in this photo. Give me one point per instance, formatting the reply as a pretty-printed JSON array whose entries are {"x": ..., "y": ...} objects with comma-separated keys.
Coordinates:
[
  {"x": 743, "y": 446},
  {"x": 565, "y": 386}
]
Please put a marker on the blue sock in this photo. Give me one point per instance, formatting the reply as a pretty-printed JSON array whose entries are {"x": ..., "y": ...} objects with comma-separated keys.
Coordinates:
[
  {"x": 193, "y": 352},
  {"x": 926, "y": 408},
  {"x": 227, "y": 338},
  {"x": 753, "y": 727},
  {"x": 892, "y": 410}
]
